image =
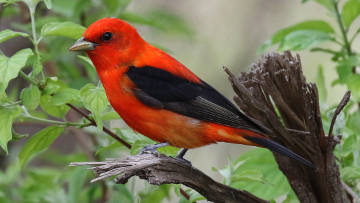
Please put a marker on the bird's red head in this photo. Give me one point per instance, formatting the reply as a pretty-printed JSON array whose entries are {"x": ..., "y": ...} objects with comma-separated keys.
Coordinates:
[{"x": 110, "y": 40}]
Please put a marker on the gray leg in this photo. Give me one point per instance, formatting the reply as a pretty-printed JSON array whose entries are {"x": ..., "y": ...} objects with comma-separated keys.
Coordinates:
[
  {"x": 180, "y": 156},
  {"x": 181, "y": 153},
  {"x": 153, "y": 148}
]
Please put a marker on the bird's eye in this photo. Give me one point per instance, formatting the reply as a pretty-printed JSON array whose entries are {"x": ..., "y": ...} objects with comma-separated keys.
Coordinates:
[{"x": 106, "y": 36}]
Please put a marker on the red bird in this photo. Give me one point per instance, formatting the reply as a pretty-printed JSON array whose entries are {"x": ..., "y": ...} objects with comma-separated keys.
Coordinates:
[{"x": 160, "y": 98}]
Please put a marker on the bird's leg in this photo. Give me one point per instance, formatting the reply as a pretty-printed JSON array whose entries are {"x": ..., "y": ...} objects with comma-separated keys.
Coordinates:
[
  {"x": 180, "y": 156},
  {"x": 153, "y": 148},
  {"x": 181, "y": 153}
]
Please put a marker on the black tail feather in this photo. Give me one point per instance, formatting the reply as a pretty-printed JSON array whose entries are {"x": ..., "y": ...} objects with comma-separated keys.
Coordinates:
[{"x": 276, "y": 147}]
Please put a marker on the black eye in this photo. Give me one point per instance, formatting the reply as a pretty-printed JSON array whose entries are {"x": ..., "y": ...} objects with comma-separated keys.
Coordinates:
[{"x": 106, "y": 36}]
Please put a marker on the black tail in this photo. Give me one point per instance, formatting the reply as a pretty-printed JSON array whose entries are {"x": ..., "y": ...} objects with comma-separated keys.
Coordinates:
[{"x": 276, "y": 147}]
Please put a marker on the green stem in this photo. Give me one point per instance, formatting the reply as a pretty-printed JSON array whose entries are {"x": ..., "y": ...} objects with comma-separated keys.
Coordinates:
[
  {"x": 29, "y": 79},
  {"x": 62, "y": 123},
  {"x": 342, "y": 28},
  {"x": 325, "y": 50},
  {"x": 11, "y": 104},
  {"x": 33, "y": 27}
]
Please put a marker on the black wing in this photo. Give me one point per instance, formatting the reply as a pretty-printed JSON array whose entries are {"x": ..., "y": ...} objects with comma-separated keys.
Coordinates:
[{"x": 161, "y": 89}]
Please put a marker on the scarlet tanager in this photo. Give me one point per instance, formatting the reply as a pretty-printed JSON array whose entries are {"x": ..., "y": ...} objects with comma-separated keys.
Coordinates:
[{"x": 160, "y": 98}]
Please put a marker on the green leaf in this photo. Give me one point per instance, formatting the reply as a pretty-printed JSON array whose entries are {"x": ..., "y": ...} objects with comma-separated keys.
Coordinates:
[
  {"x": 315, "y": 25},
  {"x": 353, "y": 85},
  {"x": 350, "y": 173},
  {"x": 350, "y": 11},
  {"x": 155, "y": 194},
  {"x": 121, "y": 194},
  {"x": 39, "y": 143},
  {"x": 326, "y": 3},
  {"x": 9, "y": 34},
  {"x": 7, "y": 116},
  {"x": 48, "y": 4},
  {"x": 94, "y": 99},
  {"x": 111, "y": 115},
  {"x": 345, "y": 67},
  {"x": 64, "y": 29},
  {"x": 275, "y": 183},
  {"x": 320, "y": 81},
  {"x": 303, "y": 39},
  {"x": 10, "y": 67},
  {"x": 168, "y": 150},
  {"x": 248, "y": 176},
  {"x": 46, "y": 103},
  {"x": 65, "y": 95},
  {"x": 30, "y": 97},
  {"x": 346, "y": 75},
  {"x": 76, "y": 182}
]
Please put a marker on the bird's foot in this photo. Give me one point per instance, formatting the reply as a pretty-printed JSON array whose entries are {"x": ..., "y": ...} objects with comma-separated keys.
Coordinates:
[
  {"x": 180, "y": 157},
  {"x": 152, "y": 149}
]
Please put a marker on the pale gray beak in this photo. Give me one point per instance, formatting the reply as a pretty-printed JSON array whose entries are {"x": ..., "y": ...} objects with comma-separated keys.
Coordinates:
[{"x": 82, "y": 45}]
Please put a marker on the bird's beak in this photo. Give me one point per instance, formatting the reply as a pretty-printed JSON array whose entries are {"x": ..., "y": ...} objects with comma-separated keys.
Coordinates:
[{"x": 82, "y": 45}]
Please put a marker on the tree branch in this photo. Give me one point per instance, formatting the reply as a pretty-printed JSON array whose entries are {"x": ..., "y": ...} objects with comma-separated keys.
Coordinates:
[{"x": 161, "y": 169}]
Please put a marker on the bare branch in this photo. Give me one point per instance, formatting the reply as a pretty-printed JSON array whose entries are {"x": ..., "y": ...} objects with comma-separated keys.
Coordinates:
[
  {"x": 161, "y": 169},
  {"x": 338, "y": 110},
  {"x": 348, "y": 189}
]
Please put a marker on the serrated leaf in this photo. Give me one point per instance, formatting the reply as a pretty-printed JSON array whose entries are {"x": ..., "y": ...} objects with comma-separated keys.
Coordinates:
[
  {"x": 303, "y": 39},
  {"x": 320, "y": 82},
  {"x": 30, "y": 97},
  {"x": 7, "y": 116},
  {"x": 64, "y": 29},
  {"x": 39, "y": 143},
  {"x": 10, "y": 67},
  {"x": 95, "y": 100},
  {"x": 350, "y": 11},
  {"x": 9, "y": 34}
]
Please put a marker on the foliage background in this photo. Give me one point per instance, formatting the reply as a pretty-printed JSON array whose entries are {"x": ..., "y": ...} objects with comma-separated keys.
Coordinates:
[{"x": 204, "y": 35}]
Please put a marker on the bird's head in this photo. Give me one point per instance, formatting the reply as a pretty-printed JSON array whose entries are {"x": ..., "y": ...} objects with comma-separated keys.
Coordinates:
[{"x": 109, "y": 39}]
